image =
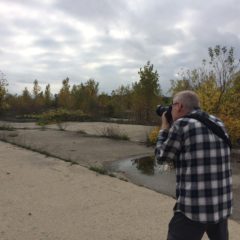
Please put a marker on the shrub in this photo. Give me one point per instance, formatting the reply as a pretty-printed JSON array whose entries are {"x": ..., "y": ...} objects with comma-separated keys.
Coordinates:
[
  {"x": 60, "y": 115},
  {"x": 152, "y": 136},
  {"x": 114, "y": 133}
]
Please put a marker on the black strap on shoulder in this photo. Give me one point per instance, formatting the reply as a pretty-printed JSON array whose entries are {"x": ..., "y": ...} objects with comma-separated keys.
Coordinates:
[{"x": 212, "y": 126}]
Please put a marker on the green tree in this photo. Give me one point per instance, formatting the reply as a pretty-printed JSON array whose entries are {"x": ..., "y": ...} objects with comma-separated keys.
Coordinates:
[
  {"x": 25, "y": 102},
  {"x": 38, "y": 98},
  {"x": 106, "y": 107},
  {"x": 48, "y": 96},
  {"x": 85, "y": 97},
  {"x": 3, "y": 91},
  {"x": 122, "y": 101},
  {"x": 36, "y": 89},
  {"x": 146, "y": 93}
]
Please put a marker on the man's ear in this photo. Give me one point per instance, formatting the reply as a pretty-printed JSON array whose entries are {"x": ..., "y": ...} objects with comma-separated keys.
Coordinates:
[{"x": 180, "y": 108}]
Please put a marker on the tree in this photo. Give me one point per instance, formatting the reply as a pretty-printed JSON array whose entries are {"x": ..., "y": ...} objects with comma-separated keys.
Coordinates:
[
  {"x": 224, "y": 67},
  {"x": 38, "y": 98},
  {"x": 229, "y": 109},
  {"x": 48, "y": 96},
  {"x": 64, "y": 97},
  {"x": 36, "y": 89},
  {"x": 105, "y": 105},
  {"x": 25, "y": 102},
  {"x": 3, "y": 91},
  {"x": 122, "y": 101},
  {"x": 217, "y": 83},
  {"x": 215, "y": 76},
  {"x": 146, "y": 93}
]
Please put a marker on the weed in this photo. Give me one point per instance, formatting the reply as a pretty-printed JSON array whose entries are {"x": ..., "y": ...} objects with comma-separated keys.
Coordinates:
[
  {"x": 123, "y": 179},
  {"x": 61, "y": 125},
  {"x": 112, "y": 175},
  {"x": 99, "y": 170},
  {"x": 151, "y": 137},
  {"x": 42, "y": 125},
  {"x": 114, "y": 133}
]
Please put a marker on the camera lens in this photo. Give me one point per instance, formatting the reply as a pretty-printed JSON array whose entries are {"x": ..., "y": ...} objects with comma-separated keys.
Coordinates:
[{"x": 168, "y": 109}]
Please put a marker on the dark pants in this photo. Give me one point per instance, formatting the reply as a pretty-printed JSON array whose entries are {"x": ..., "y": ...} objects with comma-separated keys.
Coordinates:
[{"x": 182, "y": 228}]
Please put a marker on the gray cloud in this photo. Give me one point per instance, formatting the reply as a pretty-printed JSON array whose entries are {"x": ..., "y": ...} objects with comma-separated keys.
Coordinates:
[{"x": 109, "y": 40}]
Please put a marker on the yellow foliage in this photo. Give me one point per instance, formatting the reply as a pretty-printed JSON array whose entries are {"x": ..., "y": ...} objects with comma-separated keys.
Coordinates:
[
  {"x": 152, "y": 136},
  {"x": 232, "y": 125},
  {"x": 227, "y": 110},
  {"x": 209, "y": 94}
]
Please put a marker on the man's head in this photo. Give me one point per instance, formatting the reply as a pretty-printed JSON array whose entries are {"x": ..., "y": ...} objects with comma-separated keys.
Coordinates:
[{"x": 183, "y": 103}]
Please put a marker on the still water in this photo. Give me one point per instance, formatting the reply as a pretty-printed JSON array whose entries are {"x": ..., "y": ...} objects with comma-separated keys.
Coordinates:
[{"x": 142, "y": 171}]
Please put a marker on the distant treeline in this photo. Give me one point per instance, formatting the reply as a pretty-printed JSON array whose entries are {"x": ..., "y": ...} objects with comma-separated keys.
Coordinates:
[{"x": 217, "y": 82}]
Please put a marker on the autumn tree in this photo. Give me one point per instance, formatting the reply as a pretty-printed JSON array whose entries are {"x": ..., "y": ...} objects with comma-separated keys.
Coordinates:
[
  {"x": 91, "y": 88},
  {"x": 229, "y": 109},
  {"x": 217, "y": 84},
  {"x": 224, "y": 67},
  {"x": 64, "y": 97}
]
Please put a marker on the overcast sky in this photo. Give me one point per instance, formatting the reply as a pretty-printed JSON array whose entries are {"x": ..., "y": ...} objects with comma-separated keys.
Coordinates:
[{"x": 109, "y": 40}]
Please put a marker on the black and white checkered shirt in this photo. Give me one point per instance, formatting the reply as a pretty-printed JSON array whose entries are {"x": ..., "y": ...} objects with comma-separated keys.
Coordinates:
[{"x": 203, "y": 173}]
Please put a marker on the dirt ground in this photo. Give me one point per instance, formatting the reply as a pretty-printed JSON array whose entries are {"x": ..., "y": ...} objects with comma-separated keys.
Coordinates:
[{"x": 44, "y": 198}]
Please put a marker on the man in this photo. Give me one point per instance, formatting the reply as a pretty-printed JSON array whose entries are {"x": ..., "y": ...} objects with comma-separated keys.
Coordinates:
[{"x": 203, "y": 174}]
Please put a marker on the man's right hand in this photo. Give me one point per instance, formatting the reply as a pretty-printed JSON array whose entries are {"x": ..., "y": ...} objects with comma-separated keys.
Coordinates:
[{"x": 165, "y": 123}]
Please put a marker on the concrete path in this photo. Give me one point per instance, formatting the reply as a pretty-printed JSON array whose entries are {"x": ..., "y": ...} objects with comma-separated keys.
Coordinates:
[
  {"x": 48, "y": 199},
  {"x": 136, "y": 133}
]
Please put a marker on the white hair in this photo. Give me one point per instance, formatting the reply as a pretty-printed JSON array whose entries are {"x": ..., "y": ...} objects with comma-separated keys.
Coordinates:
[{"x": 188, "y": 99}]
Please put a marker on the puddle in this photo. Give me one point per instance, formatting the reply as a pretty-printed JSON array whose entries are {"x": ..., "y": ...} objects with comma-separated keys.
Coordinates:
[{"x": 142, "y": 171}]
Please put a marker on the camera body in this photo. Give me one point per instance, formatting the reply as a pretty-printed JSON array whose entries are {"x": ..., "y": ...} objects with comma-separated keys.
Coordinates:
[{"x": 168, "y": 109}]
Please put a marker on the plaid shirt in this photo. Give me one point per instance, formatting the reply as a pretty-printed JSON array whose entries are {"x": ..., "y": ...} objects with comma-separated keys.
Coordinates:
[{"x": 203, "y": 173}]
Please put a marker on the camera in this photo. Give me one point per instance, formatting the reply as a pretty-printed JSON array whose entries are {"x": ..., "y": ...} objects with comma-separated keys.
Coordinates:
[{"x": 168, "y": 109}]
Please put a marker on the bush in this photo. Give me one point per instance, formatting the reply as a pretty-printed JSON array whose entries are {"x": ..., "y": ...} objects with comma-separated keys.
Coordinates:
[
  {"x": 233, "y": 127},
  {"x": 60, "y": 115},
  {"x": 152, "y": 136}
]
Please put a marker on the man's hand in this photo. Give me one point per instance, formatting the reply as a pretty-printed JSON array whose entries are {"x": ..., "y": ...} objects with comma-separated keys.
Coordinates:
[{"x": 165, "y": 123}]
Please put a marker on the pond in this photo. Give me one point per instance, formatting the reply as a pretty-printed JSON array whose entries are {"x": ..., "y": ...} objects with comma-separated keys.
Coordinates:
[{"x": 142, "y": 171}]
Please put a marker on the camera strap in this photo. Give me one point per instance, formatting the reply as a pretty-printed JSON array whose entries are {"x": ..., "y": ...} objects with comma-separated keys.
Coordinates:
[{"x": 212, "y": 126}]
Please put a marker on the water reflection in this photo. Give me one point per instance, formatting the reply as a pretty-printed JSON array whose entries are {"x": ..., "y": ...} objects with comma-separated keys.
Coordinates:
[
  {"x": 147, "y": 165},
  {"x": 144, "y": 172}
]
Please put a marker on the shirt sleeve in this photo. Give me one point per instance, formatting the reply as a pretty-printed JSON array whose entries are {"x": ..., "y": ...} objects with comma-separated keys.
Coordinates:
[{"x": 168, "y": 144}]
